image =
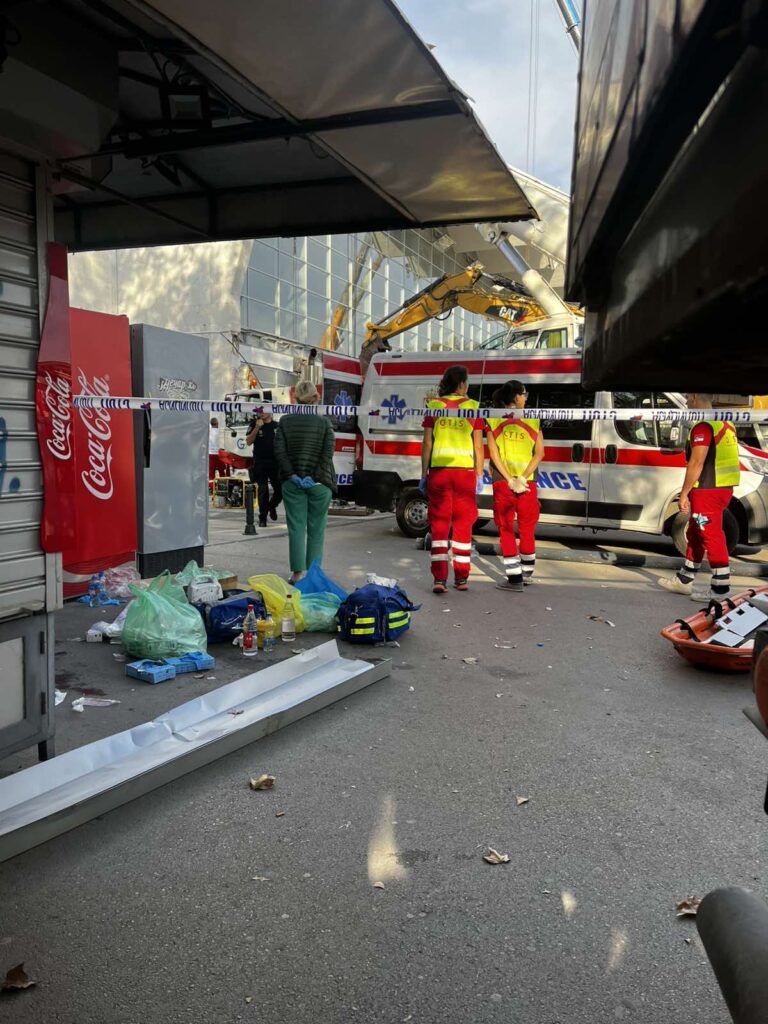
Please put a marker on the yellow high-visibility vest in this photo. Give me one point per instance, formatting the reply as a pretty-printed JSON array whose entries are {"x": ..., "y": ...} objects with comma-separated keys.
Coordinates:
[
  {"x": 721, "y": 467},
  {"x": 516, "y": 440},
  {"x": 452, "y": 436}
]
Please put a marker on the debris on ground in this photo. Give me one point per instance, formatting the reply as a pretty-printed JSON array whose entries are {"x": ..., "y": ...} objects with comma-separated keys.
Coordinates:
[
  {"x": 236, "y": 712},
  {"x": 59, "y": 697},
  {"x": 506, "y": 645},
  {"x": 494, "y": 857},
  {"x": 470, "y": 661},
  {"x": 262, "y": 782},
  {"x": 378, "y": 885},
  {"x": 92, "y": 702},
  {"x": 118, "y": 656},
  {"x": 520, "y": 800},
  {"x": 279, "y": 814},
  {"x": 688, "y": 907},
  {"x": 599, "y": 618},
  {"x": 16, "y": 979}
]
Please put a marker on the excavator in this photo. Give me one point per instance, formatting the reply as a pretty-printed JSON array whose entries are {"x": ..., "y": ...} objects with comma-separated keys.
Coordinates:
[{"x": 492, "y": 296}]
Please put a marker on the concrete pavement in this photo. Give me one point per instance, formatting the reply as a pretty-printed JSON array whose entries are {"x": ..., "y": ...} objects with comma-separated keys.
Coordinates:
[{"x": 645, "y": 782}]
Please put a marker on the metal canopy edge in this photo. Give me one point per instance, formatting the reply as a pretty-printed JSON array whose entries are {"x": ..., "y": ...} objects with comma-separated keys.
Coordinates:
[
  {"x": 55, "y": 796},
  {"x": 229, "y": 122}
]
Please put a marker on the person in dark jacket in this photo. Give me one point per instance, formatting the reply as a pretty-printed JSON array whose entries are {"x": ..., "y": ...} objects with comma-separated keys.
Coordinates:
[
  {"x": 304, "y": 446},
  {"x": 261, "y": 434}
]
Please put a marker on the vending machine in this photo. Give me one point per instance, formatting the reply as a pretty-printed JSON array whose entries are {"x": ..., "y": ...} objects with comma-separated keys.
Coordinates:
[{"x": 171, "y": 448}]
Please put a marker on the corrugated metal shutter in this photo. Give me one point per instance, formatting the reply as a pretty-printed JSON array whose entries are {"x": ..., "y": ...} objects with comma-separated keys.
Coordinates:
[{"x": 22, "y": 563}]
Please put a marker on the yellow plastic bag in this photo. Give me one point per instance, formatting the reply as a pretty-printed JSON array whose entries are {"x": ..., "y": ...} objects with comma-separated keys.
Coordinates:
[{"x": 275, "y": 592}]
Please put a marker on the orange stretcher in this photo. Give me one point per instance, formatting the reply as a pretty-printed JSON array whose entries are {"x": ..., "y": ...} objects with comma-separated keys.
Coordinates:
[{"x": 691, "y": 637}]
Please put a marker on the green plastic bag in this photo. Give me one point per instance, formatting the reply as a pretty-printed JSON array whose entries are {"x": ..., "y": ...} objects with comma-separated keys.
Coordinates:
[
  {"x": 320, "y": 611},
  {"x": 275, "y": 591},
  {"x": 192, "y": 571},
  {"x": 160, "y": 622}
]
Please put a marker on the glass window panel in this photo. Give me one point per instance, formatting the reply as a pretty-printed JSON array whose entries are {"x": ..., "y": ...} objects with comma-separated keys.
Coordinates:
[
  {"x": 317, "y": 281},
  {"x": 262, "y": 287},
  {"x": 317, "y": 306},
  {"x": 395, "y": 271},
  {"x": 636, "y": 432},
  {"x": 264, "y": 258},
  {"x": 286, "y": 246},
  {"x": 339, "y": 289},
  {"x": 317, "y": 253},
  {"x": 261, "y": 317},
  {"x": 340, "y": 243},
  {"x": 379, "y": 283},
  {"x": 288, "y": 324},
  {"x": 287, "y": 295},
  {"x": 340, "y": 265},
  {"x": 302, "y": 331},
  {"x": 562, "y": 396},
  {"x": 286, "y": 266},
  {"x": 300, "y": 248},
  {"x": 300, "y": 301}
]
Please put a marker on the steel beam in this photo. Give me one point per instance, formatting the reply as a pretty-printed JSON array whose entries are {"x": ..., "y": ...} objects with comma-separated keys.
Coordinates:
[{"x": 58, "y": 795}]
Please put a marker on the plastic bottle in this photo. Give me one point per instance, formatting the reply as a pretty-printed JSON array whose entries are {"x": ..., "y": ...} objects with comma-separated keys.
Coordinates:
[
  {"x": 93, "y": 591},
  {"x": 289, "y": 621},
  {"x": 101, "y": 593},
  {"x": 250, "y": 648},
  {"x": 269, "y": 634}
]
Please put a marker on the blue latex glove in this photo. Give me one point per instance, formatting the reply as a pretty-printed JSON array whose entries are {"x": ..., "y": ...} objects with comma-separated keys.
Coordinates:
[
  {"x": 479, "y": 484},
  {"x": 423, "y": 485},
  {"x": 296, "y": 479},
  {"x": 307, "y": 483}
]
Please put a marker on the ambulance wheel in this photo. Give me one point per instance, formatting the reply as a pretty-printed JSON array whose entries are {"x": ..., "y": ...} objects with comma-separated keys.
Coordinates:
[
  {"x": 680, "y": 525},
  {"x": 411, "y": 512}
]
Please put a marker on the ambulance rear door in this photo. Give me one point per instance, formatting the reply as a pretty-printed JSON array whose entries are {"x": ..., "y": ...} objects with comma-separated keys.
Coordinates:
[
  {"x": 342, "y": 386},
  {"x": 638, "y": 472}
]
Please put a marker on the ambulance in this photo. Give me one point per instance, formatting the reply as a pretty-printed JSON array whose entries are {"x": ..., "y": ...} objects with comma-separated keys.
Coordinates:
[
  {"x": 339, "y": 381},
  {"x": 604, "y": 475}
]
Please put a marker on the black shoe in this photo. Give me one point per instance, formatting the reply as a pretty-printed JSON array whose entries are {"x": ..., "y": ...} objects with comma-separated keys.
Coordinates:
[
  {"x": 509, "y": 584},
  {"x": 262, "y": 520},
  {"x": 273, "y": 514}
]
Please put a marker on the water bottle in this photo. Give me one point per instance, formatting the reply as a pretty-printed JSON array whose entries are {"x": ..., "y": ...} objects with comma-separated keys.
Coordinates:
[
  {"x": 101, "y": 585},
  {"x": 289, "y": 621},
  {"x": 93, "y": 591},
  {"x": 269, "y": 634},
  {"x": 250, "y": 647}
]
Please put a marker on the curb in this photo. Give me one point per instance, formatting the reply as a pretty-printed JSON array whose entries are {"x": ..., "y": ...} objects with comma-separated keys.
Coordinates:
[{"x": 624, "y": 560}]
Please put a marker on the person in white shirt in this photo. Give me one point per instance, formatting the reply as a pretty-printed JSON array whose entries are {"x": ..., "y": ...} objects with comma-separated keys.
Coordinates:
[{"x": 214, "y": 463}]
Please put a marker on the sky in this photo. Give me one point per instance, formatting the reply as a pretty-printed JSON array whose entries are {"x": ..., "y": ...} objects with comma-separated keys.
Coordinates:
[{"x": 484, "y": 45}]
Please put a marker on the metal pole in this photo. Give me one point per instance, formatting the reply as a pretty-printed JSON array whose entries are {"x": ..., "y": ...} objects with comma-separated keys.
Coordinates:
[
  {"x": 572, "y": 22},
  {"x": 250, "y": 525}
]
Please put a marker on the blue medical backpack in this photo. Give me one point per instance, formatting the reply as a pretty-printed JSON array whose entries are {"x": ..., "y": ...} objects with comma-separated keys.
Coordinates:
[
  {"x": 374, "y": 614},
  {"x": 224, "y": 621}
]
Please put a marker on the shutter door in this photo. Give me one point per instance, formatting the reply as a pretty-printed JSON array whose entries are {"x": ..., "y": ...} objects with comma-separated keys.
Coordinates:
[{"x": 22, "y": 562}]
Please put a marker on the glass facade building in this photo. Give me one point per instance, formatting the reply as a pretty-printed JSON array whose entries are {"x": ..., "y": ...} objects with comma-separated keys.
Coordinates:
[{"x": 303, "y": 289}]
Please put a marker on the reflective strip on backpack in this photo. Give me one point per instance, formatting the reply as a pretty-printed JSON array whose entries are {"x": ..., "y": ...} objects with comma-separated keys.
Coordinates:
[
  {"x": 365, "y": 622},
  {"x": 362, "y": 632},
  {"x": 396, "y": 619}
]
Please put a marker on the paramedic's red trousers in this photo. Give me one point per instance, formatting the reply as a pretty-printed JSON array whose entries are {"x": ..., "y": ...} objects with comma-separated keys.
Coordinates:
[
  {"x": 705, "y": 527},
  {"x": 508, "y": 506},
  {"x": 452, "y": 507}
]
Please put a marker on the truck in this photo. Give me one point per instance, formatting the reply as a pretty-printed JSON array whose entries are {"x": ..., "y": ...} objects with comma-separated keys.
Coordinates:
[
  {"x": 669, "y": 216},
  {"x": 621, "y": 475}
]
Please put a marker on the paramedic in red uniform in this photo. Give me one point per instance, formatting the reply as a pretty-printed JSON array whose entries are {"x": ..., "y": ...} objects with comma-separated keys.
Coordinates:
[
  {"x": 712, "y": 454},
  {"x": 451, "y": 469},
  {"x": 516, "y": 447}
]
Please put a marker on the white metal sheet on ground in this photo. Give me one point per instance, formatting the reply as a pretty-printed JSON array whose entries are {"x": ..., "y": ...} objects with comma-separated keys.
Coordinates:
[{"x": 57, "y": 795}]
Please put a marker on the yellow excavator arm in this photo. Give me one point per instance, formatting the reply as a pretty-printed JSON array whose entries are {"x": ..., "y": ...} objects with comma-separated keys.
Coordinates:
[{"x": 470, "y": 289}]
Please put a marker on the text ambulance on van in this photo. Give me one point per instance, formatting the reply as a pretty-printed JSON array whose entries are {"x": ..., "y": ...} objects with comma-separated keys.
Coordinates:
[{"x": 605, "y": 475}]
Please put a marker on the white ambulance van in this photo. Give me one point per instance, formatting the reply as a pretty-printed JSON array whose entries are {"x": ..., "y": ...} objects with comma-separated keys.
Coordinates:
[{"x": 623, "y": 475}]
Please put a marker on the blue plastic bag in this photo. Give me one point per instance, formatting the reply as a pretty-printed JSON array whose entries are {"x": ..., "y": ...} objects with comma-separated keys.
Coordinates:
[
  {"x": 320, "y": 612},
  {"x": 316, "y": 582}
]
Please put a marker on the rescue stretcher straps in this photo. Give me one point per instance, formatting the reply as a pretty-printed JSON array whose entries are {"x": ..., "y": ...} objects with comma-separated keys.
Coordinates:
[{"x": 394, "y": 414}]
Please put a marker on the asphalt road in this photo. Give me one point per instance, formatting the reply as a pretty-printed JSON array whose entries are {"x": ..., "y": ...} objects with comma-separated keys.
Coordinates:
[{"x": 197, "y": 904}]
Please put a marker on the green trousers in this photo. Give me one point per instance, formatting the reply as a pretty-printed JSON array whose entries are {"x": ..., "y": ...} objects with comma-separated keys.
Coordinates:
[{"x": 306, "y": 513}]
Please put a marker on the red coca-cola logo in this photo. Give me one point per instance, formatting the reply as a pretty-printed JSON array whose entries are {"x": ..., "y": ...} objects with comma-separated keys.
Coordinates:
[
  {"x": 98, "y": 477},
  {"x": 57, "y": 399}
]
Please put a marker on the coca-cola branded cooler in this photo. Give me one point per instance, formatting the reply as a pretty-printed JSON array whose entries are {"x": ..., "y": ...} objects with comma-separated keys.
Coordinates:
[
  {"x": 103, "y": 444},
  {"x": 171, "y": 448}
]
